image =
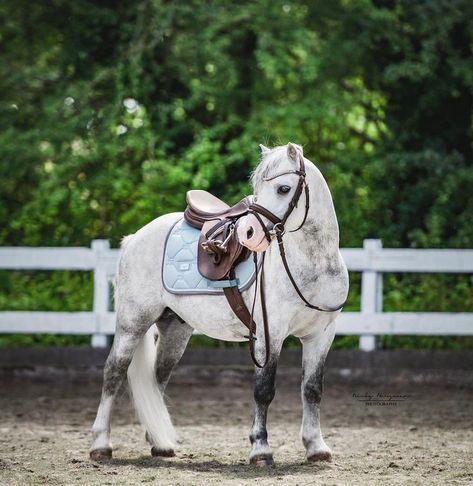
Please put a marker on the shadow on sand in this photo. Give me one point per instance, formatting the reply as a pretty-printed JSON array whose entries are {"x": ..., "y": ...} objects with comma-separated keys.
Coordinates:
[{"x": 237, "y": 470}]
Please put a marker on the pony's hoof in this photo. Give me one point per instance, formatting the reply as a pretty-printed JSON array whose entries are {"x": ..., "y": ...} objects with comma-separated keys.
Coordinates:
[
  {"x": 324, "y": 456},
  {"x": 104, "y": 454},
  {"x": 155, "y": 452},
  {"x": 262, "y": 461}
]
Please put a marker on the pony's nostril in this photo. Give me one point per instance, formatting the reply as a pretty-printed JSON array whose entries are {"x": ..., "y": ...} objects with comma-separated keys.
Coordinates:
[{"x": 250, "y": 232}]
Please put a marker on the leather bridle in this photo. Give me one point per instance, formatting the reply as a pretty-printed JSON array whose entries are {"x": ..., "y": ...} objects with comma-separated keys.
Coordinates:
[{"x": 277, "y": 231}]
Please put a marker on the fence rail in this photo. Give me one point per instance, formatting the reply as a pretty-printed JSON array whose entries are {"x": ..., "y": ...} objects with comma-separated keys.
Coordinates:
[{"x": 372, "y": 261}]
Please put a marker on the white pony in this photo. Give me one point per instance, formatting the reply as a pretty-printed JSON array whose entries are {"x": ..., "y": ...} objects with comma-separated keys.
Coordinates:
[{"x": 317, "y": 266}]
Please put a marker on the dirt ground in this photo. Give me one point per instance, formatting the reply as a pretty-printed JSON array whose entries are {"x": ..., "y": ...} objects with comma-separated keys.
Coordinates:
[{"x": 426, "y": 439}]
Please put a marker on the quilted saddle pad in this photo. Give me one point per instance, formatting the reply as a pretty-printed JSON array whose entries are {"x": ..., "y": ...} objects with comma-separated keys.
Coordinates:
[{"x": 180, "y": 272}]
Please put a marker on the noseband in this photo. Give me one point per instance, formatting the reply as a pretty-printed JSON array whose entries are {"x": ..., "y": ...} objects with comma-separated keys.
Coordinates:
[{"x": 277, "y": 231}]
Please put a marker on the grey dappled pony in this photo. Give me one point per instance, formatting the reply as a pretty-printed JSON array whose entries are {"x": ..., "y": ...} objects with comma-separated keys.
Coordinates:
[{"x": 141, "y": 301}]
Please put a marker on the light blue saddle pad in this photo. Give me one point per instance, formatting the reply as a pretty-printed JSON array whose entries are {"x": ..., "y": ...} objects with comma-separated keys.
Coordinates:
[{"x": 180, "y": 272}]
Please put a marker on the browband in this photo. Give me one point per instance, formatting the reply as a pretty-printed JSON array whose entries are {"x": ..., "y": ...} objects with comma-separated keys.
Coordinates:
[{"x": 297, "y": 172}]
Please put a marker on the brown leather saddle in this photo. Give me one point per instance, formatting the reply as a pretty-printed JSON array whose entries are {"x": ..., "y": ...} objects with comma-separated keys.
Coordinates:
[{"x": 219, "y": 251}]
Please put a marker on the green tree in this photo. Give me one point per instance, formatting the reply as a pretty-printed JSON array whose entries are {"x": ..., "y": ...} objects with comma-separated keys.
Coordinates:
[{"x": 110, "y": 111}]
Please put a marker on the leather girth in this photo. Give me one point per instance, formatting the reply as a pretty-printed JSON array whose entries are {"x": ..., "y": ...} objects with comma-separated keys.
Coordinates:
[{"x": 237, "y": 304}]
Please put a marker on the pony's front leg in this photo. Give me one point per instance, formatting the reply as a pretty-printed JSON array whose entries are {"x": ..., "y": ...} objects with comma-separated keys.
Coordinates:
[
  {"x": 261, "y": 454},
  {"x": 314, "y": 352}
]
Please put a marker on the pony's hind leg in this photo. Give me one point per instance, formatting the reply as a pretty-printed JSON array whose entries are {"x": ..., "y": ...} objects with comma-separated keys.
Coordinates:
[
  {"x": 314, "y": 352},
  {"x": 125, "y": 342},
  {"x": 173, "y": 336}
]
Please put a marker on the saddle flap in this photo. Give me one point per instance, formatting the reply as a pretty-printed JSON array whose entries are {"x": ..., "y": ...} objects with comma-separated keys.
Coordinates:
[{"x": 216, "y": 265}]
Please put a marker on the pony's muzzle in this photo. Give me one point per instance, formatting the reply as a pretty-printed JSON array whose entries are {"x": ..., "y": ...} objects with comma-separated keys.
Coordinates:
[{"x": 251, "y": 234}]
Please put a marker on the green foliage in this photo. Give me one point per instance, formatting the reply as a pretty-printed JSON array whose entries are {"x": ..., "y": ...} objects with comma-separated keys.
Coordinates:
[
  {"x": 46, "y": 291},
  {"x": 428, "y": 293},
  {"x": 22, "y": 340},
  {"x": 110, "y": 111}
]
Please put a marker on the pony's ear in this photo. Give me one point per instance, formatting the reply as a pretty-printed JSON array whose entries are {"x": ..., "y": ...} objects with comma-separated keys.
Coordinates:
[
  {"x": 294, "y": 151},
  {"x": 264, "y": 150}
]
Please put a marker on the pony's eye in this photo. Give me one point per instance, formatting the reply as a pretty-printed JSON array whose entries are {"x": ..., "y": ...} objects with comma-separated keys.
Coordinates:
[{"x": 283, "y": 189}]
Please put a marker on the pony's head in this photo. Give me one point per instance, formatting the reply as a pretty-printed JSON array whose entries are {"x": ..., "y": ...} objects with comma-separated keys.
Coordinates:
[{"x": 279, "y": 188}]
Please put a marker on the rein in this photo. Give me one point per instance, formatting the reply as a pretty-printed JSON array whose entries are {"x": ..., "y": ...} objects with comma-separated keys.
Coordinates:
[{"x": 277, "y": 231}]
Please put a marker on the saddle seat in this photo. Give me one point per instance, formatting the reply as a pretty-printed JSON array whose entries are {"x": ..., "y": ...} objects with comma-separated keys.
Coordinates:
[
  {"x": 205, "y": 203},
  {"x": 203, "y": 206}
]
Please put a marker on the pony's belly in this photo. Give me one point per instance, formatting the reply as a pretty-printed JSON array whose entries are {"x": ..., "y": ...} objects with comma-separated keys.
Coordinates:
[
  {"x": 234, "y": 333},
  {"x": 208, "y": 314}
]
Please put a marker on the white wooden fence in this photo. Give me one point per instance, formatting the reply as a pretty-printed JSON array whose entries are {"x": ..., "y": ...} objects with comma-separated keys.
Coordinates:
[{"x": 371, "y": 260}]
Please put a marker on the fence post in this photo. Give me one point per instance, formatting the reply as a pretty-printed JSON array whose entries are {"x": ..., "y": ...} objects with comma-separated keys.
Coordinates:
[
  {"x": 101, "y": 291},
  {"x": 371, "y": 294}
]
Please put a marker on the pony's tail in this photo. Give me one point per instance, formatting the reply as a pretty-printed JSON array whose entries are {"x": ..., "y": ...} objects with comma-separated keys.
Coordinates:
[{"x": 147, "y": 397}]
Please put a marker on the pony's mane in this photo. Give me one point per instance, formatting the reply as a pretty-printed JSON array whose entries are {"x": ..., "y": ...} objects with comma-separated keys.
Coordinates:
[{"x": 268, "y": 165}]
